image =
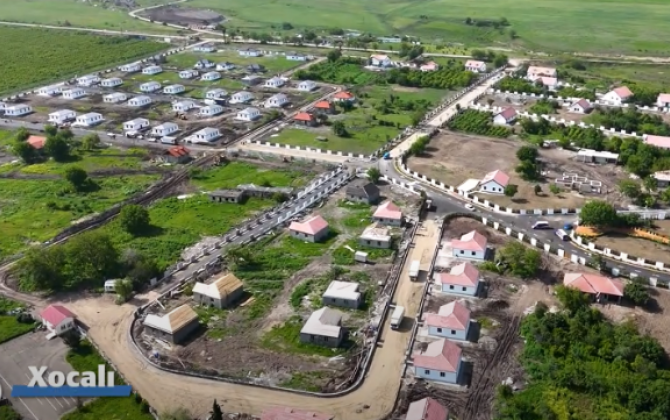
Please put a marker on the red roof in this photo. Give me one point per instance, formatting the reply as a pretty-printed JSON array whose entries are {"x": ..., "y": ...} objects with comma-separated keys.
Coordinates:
[
  {"x": 311, "y": 226},
  {"x": 388, "y": 210},
  {"x": 474, "y": 64},
  {"x": 343, "y": 95},
  {"x": 178, "y": 151},
  {"x": 323, "y": 105},
  {"x": 55, "y": 314},
  {"x": 658, "y": 141},
  {"x": 37, "y": 141},
  {"x": 454, "y": 316},
  {"x": 508, "y": 113},
  {"x": 427, "y": 409},
  {"x": 593, "y": 284},
  {"x": 303, "y": 116},
  {"x": 287, "y": 413},
  {"x": 442, "y": 355},
  {"x": 464, "y": 274},
  {"x": 623, "y": 92},
  {"x": 583, "y": 103},
  {"x": 499, "y": 177},
  {"x": 473, "y": 241}
]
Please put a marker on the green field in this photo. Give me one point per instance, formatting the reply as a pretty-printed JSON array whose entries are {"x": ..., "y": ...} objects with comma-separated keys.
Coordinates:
[
  {"x": 273, "y": 64},
  {"x": 55, "y": 54},
  {"x": 10, "y": 327},
  {"x": 602, "y": 76}
]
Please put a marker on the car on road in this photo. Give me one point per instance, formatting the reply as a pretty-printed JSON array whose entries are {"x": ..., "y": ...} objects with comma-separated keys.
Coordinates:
[
  {"x": 541, "y": 225},
  {"x": 470, "y": 207}
]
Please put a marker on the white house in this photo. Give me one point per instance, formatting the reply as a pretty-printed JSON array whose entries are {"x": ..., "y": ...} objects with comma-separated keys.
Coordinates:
[
  {"x": 535, "y": 72},
  {"x": 440, "y": 362},
  {"x": 131, "y": 68},
  {"x": 494, "y": 182},
  {"x": 2, "y": 106},
  {"x": 174, "y": 89},
  {"x": 217, "y": 93},
  {"x": 61, "y": 116},
  {"x": 88, "y": 80},
  {"x": 429, "y": 66},
  {"x": 248, "y": 114},
  {"x": 277, "y": 101},
  {"x": 663, "y": 100},
  {"x": 50, "y": 90},
  {"x": 225, "y": 66},
  {"x": 342, "y": 293},
  {"x": 149, "y": 87},
  {"x": 18, "y": 110},
  {"x": 111, "y": 82},
  {"x": 475, "y": 66},
  {"x": 188, "y": 74},
  {"x": 306, "y": 86},
  {"x": 221, "y": 293},
  {"x": 151, "y": 70},
  {"x": 451, "y": 321},
  {"x": 211, "y": 76},
  {"x": 388, "y": 214},
  {"x": 139, "y": 101},
  {"x": 203, "y": 64},
  {"x": 206, "y": 135},
  {"x": 249, "y": 52},
  {"x": 472, "y": 245},
  {"x": 210, "y": 110},
  {"x": 618, "y": 96},
  {"x": 581, "y": 106},
  {"x": 292, "y": 56},
  {"x": 74, "y": 93},
  {"x": 165, "y": 129},
  {"x": 378, "y": 60},
  {"x": 58, "y": 320},
  {"x": 115, "y": 97},
  {"x": 90, "y": 119},
  {"x": 206, "y": 48},
  {"x": 275, "y": 82},
  {"x": 183, "y": 106},
  {"x": 463, "y": 279},
  {"x": 241, "y": 97},
  {"x": 138, "y": 124},
  {"x": 507, "y": 116}
]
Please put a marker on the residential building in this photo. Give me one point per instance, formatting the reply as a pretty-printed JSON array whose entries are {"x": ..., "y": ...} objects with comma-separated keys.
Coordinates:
[
  {"x": 344, "y": 96},
  {"x": 494, "y": 182},
  {"x": 58, "y": 320},
  {"x": 429, "y": 66},
  {"x": 475, "y": 66},
  {"x": 188, "y": 74},
  {"x": 249, "y": 52},
  {"x": 210, "y": 110},
  {"x": 131, "y": 68},
  {"x": 139, "y": 101},
  {"x": 221, "y": 293},
  {"x": 274, "y": 82},
  {"x": 600, "y": 288},
  {"x": 216, "y": 94},
  {"x": 292, "y": 56},
  {"x": 427, "y": 409},
  {"x": 61, "y": 116},
  {"x": 74, "y": 93},
  {"x": 226, "y": 66},
  {"x": 378, "y": 60},
  {"x": 324, "y": 328},
  {"x": 203, "y": 64},
  {"x": 472, "y": 245},
  {"x": 663, "y": 100},
  {"x": 287, "y": 413},
  {"x": 18, "y": 110},
  {"x": 305, "y": 118},
  {"x": 277, "y": 101},
  {"x": 251, "y": 80},
  {"x": 177, "y": 155},
  {"x": 173, "y": 327},
  {"x": 36, "y": 142},
  {"x": 618, "y": 96},
  {"x": 661, "y": 142},
  {"x": 89, "y": 120},
  {"x": 342, "y": 293},
  {"x": 174, "y": 89},
  {"x": 138, "y": 124},
  {"x": 165, "y": 129},
  {"x": 363, "y": 191},
  {"x": 549, "y": 82},
  {"x": 535, "y": 72},
  {"x": 248, "y": 114},
  {"x": 227, "y": 196},
  {"x": 462, "y": 279},
  {"x": 312, "y": 229},
  {"x": 662, "y": 178},
  {"x": 507, "y": 116},
  {"x": 211, "y": 76},
  {"x": 50, "y": 90},
  {"x": 375, "y": 236},
  {"x": 440, "y": 362},
  {"x": 594, "y": 156},
  {"x": 149, "y": 87},
  {"x": 151, "y": 70},
  {"x": 183, "y": 106},
  {"x": 582, "y": 106},
  {"x": 115, "y": 97},
  {"x": 307, "y": 86},
  {"x": 111, "y": 82},
  {"x": 88, "y": 80},
  {"x": 324, "y": 107},
  {"x": 206, "y": 135},
  {"x": 255, "y": 68},
  {"x": 388, "y": 214},
  {"x": 205, "y": 48},
  {"x": 451, "y": 321},
  {"x": 3, "y": 105}
]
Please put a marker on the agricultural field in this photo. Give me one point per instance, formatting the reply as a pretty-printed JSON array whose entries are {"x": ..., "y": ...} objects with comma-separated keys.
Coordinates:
[
  {"x": 274, "y": 64},
  {"x": 56, "y": 55},
  {"x": 603, "y": 76},
  {"x": 10, "y": 326}
]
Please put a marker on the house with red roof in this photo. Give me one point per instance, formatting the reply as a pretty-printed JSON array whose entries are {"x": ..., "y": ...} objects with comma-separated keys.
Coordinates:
[
  {"x": 304, "y": 118},
  {"x": 618, "y": 96},
  {"x": 451, "y": 321},
  {"x": 58, "y": 320},
  {"x": 289, "y": 413},
  {"x": 535, "y": 72},
  {"x": 507, "y": 116},
  {"x": 427, "y": 409},
  {"x": 582, "y": 106},
  {"x": 462, "y": 279},
  {"x": 494, "y": 182},
  {"x": 312, "y": 229},
  {"x": 344, "y": 96},
  {"x": 663, "y": 100},
  {"x": 472, "y": 245},
  {"x": 440, "y": 361},
  {"x": 37, "y": 142},
  {"x": 475, "y": 66},
  {"x": 429, "y": 66},
  {"x": 388, "y": 214},
  {"x": 324, "y": 107},
  {"x": 177, "y": 154},
  {"x": 601, "y": 288},
  {"x": 661, "y": 142}
]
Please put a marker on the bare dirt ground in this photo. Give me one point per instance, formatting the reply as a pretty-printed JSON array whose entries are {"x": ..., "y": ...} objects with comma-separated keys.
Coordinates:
[
  {"x": 183, "y": 15},
  {"x": 637, "y": 247},
  {"x": 662, "y": 227}
]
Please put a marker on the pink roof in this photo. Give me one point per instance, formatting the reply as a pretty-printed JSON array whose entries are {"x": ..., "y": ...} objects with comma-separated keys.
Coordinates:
[
  {"x": 454, "y": 316},
  {"x": 427, "y": 409},
  {"x": 430, "y": 66},
  {"x": 474, "y": 63},
  {"x": 583, "y": 103},
  {"x": 508, "y": 113},
  {"x": 658, "y": 141},
  {"x": 464, "y": 274},
  {"x": 311, "y": 226},
  {"x": 288, "y": 413},
  {"x": 545, "y": 71},
  {"x": 55, "y": 314},
  {"x": 549, "y": 81},
  {"x": 498, "y": 176},
  {"x": 388, "y": 210},
  {"x": 593, "y": 284},
  {"x": 442, "y": 355},
  {"x": 663, "y": 97},
  {"x": 623, "y": 92},
  {"x": 473, "y": 241}
]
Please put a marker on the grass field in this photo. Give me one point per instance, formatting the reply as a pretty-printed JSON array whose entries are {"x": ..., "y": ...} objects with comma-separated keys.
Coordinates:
[
  {"x": 603, "y": 75},
  {"x": 273, "y": 64},
  {"x": 57, "y": 54},
  {"x": 10, "y": 327}
]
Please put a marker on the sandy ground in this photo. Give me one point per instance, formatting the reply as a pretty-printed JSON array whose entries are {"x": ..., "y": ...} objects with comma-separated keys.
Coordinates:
[
  {"x": 662, "y": 227},
  {"x": 637, "y": 247}
]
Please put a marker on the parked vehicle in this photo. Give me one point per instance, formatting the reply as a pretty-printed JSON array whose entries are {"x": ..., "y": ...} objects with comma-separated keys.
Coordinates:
[
  {"x": 541, "y": 225},
  {"x": 414, "y": 270},
  {"x": 563, "y": 235},
  {"x": 387, "y": 156},
  {"x": 397, "y": 316},
  {"x": 470, "y": 207}
]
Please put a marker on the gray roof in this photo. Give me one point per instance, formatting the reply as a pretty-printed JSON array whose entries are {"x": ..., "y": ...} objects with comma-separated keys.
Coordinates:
[
  {"x": 362, "y": 189},
  {"x": 254, "y": 187},
  {"x": 226, "y": 193},
  {"x": 324, "y": 322}
]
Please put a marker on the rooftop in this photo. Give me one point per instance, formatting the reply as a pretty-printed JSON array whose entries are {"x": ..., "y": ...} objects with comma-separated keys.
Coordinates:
[
  {"x": 472, "y": 241},
  {"x": 623, "y": 92},
  {"x": 221, "y": 288},
  {"x": 442, "y": 355},
  {"x": 474, "y": 63},
  {"x": 303, "y": 116},
  {"x": 55, "y": 314},
  {"x": 464, "y": 274},
  {"x": 362, "y": 188},
  {"x": 310, "y": 226},
  {"x": 343, "y": 95},
  {"x": 388, "y": 210},
  {"x": 508, "y": 113},
  {"x": 583, "y": 103},
  {"x": 226, "y": 193},
  {"x": 498, "y": 176},
  {"x": 593, "y": 284},
  {"x": 173, "y": 321},
  {"x": 375, "y": 232},
  {"x": 324, "y": 322},
  {"x": 453, "y": 315},
  {"x": 342, "y": 290},
  {"x": 37, "y": 142},
  {"x": 658, "y": 141},
  {"x": 427, "y": 409},
  {"x": 178, "y": 151}
]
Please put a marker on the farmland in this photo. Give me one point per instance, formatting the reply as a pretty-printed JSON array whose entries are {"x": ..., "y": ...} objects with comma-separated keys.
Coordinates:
[
  {"x": 10, "y": 327},
  {"x": 58, "y": 54}
]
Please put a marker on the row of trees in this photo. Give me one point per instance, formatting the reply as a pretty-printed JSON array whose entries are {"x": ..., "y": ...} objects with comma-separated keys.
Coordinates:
[
  {"x": 631, "y": 120},
  {"x": 58, "y": 145},
  {"x": 497, "y": 59},
  {"x": 478, "y": 122},
  {"x": 601, "y": 214}
]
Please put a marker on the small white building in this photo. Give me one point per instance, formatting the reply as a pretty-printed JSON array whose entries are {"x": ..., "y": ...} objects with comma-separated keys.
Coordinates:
[
  {"x": 210, "y": 110},
  {"x": 174, "y": 89},
  {"x": 211, "y": 76},
  {"x": 429, "y": 66},
  {"x": 151, "y": 70},
  {"x": 250, "y": 52},
  {"x": 581, "y": 106},
  {"x": 494, "y": 182},
  {"x": 441, "y": 361},
  {"x": 149, "y": 87},
  {"x": 88, "y": 80},
  {"x": 114, "y": 98},
  {"x": 275, "y": 82},
  {"x": 663, "y": 100},
  {"x": 475, "y": 66},
  {"x": 472, "y": 245},
  {"x": 206, "y": 135},
  {"x": 594, "y": 156},
  {"x": 111, "y": 82},
  {"x": 139, "y": 101},
  {"x": 58, "y": 320},
  {"x": 89, "y": 120},
  {"x": 342, "y": 293},
  {"x": 183, "y": 106},
  {"x": 18, "y": 110},
  {"x": 165, "y": 129},
  {"x": 188, "y": 74},
  {"x": 74, "y": 93},
  {"x": 293, "y": 56},
  {"x": 306, "y": 86},
  {"x": 618, "y": 96},
  {"x": 61, "y": 116},
  {"x": 463, "y": 279},
  {"x": 388, "y": 214},
  {"x": 217, "y": 93},
  {"x": 535, "y": 72},
  {"x": 375, "y": 236},
  {"x": 226, "y": 66},
  {"x": 324, "y": 328},
  {"x": 380, "y": 61},
  {"x": 222, "y": 293},
  {"x": 507, "y": 116},
  {"x": 138, "y": 124},
  {"x": 662, "y": 178},
  {"x": 277, "y": 101},
  {"x": 241, "y": 97},
  {"x": 131, "y": 68},
  {"x": 110, "y": 286},
  {"x": 205, "y": 48},
  {"x": 248, "y": 114},
  {"x": 50, "y": 90},
  {"x": 203, "y": 64}
]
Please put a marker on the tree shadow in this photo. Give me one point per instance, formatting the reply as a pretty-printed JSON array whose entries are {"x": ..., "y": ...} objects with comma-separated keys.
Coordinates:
[
  {"x": 520, "y": 200},
  {"x": 151, "y": 231},
  {"x": 89, "y": 186}
]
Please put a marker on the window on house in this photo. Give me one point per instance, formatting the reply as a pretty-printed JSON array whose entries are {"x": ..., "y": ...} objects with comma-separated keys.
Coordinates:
[
  {"x": 442, "y": 375},
  {"x": 451, "y": 287},
  {"x": 465, "y": 289},
  {"x": 311, "y": 337},
  {"x": 439, "y": 330},
  {"x": 453, "y": 332},
  {"x": 426, "y": 371},
  {"x": 325, "y": 339},
  {"x": 379, "y": 243},
  {"x": 462, "y": 252},
  {"x": 473, "y": 252}
]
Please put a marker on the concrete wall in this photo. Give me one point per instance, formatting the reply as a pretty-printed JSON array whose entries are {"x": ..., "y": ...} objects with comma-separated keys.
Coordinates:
[
  {"x": 343, "y": 303},
  {"x": 387, "y": 222},
  {"x": 450, "y": 334},
  {"x": 374, "y": 244},
  {"x": 321, "y": 340},
  {"x": 453, "y": 289},
  {"x": 437, "y": 376}
]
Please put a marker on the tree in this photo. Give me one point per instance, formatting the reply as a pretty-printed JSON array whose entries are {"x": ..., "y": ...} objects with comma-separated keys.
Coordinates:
[
  {"x": 374, "y": 174},
  {"x": 22, "y": 134},
  {"x": 555, "y": 189},
  {"x": 500, "y": 60},
  {"x": 521, "y": 261},
  {"x": 76, "y": 176},
  {"x": 512, "y": 34},
  {"x": 334, "y": 55},
  {"x": 339, "y": 129},
  {"x": 24, "y": 151},
  {"x": 650, "y": 184},
  {"x": 537, "y": 189},
  {"x": 527, "y": 153},
  {"x": 637, "y": 292},
  {"x": 57, "y": 148},
  {"x": 72, "y": 339},
  {"x": 572, "y": 299},
  {"x": 528, "y": 170},
  {"x": 598, "y": 213},
  {"x": 216, "y": 413},
  {"x": 511, "y": 190},
  {"x": 630, "y": 188},
  {"x": 90, "y": 141},
  {"x": 123, "y": 289},
  {"x": 138, "y": 268},
  {"x": 134, "y": 219},
  {"x": 50, "y": 130}
]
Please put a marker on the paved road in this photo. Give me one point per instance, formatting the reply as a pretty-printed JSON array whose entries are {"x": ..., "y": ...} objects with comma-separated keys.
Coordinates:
[{"x": 96, "y": 31}]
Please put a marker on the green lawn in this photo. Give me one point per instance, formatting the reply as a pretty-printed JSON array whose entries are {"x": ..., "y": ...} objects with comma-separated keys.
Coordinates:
[
  {"x": 237, "y": 173},
  {"x": 10, "y": 327},
  {"x": 602, "y": 75},
  {"x": 91, "y": 161},
  {"x": 273, "y": 64}
]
